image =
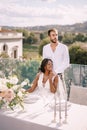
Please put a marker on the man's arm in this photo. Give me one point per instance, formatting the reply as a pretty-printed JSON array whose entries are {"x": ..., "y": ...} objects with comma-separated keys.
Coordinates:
[
  {"x": 43, "y": 53},
  {"x": 66, "y": 59}
]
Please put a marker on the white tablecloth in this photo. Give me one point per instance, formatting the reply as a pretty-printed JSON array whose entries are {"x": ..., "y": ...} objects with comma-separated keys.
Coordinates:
[{"x": 40, "y": 118}]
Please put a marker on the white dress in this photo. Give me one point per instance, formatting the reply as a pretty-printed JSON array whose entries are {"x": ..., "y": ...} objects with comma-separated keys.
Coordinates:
[
  {"x": 42, "y": 92},
  {"x": 44, "y": 89}
]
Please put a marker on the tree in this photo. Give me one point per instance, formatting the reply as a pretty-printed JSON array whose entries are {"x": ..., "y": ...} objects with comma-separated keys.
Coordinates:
[
  {"x": 68, "y": 38},
  {"x": 44, "y": 42},
  {"x": 77, "y": 55},
  {"x": 42, "y": 36},
  {"x": 25, "y": 33},
  {"x": 32, "y": 39},
  {"x": 60, "y": 37},
  {"x": 79, "y": 37}
]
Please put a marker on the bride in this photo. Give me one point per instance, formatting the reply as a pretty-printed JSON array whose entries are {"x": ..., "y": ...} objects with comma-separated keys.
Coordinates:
[{"x": 46, "y": 81}]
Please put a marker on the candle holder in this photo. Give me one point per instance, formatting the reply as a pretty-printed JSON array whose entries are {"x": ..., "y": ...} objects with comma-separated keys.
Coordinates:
[
  {"x": 61, "y": 79},
  {"x": 54, "y": 120}
]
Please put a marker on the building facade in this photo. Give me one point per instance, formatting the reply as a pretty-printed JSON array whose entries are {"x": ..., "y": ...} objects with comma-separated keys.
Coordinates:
[{"x": 11, "y": 43}]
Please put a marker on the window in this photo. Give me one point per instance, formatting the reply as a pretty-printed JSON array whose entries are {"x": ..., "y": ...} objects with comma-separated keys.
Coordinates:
[{"x": 5, "y": 48}]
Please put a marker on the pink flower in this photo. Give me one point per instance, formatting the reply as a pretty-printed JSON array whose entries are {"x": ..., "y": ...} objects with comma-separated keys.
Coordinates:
[{"x": 9, "y": 95}]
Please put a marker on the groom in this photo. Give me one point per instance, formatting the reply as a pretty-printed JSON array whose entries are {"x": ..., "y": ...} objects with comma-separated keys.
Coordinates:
[{"x": 57, "y": 52}]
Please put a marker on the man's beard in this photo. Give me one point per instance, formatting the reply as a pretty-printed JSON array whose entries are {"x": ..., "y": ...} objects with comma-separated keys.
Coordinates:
[{"x": 54, "y": 40}]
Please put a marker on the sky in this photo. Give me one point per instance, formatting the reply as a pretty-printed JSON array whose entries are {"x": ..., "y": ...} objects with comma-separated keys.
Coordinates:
[{"x": 23, "y": 13}]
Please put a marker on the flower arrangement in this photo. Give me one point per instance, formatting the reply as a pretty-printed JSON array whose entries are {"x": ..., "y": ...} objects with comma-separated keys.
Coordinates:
[{"x": 12, "y": 93}]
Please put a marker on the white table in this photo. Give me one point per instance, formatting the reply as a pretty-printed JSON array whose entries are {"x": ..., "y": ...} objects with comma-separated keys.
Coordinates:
[{"x": 39, "y": 118}]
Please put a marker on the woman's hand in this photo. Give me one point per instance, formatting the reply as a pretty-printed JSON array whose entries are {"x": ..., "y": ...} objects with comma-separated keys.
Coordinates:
[
  {"x": 53, "y": 82},
  {"x": 51, "y": 75}
]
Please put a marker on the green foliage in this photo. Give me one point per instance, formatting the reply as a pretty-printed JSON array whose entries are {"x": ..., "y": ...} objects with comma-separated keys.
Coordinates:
[
  {"x": 15, "y": 101},
  {"x": 4, "y": 55},
  {"x": 44, "y": 42},
  {"x": 80, "y": 37},
  {"x": 77, "y": 55},
  {"x": 1, "y": 103},
  {"x": 8, "y": 66},
  {"x": 9, "y": 85},
  {"x": 25, "y": 33},
  {"x": 30, "y": 47},
  {"x": 41, "y": 36},
  {"x": 68, "y": 38},
  {"x": 28, "y": 70},
  {"x": 32, "y": 39},
  {"x": 60, "y": 37},
  {"x": 23, "y": 69}
]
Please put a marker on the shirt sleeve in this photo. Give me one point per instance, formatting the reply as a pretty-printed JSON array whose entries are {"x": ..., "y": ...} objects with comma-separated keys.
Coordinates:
[
  {"x": 66, "y": 59},
  {"x": 43, "y": 53}
]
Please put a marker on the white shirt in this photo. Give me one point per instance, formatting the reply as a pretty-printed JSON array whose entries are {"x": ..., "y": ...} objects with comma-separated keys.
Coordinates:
[{"x": 60, "y": 56}]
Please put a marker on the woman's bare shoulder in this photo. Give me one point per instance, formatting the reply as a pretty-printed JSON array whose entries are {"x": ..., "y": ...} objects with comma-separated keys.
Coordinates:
[{"x": 38, "y": 74}]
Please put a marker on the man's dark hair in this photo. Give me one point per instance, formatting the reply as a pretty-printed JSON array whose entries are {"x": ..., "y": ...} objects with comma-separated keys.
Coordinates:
[{"x": 51, "y": 30}]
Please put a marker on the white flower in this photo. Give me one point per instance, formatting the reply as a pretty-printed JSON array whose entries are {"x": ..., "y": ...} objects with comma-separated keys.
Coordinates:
[
  {"x": 25, "y": 82},
  {"x": 3, "y": 85},
  {"x": 13, "y": 79},
  {"x": 20, "y": 94},
  {"x": 15, "y": 87},
  {"x": 13, "y": 92}
]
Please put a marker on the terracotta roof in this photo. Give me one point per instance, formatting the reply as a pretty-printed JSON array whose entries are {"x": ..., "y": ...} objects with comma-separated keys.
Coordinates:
[{"x": 3, "y": 30}]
